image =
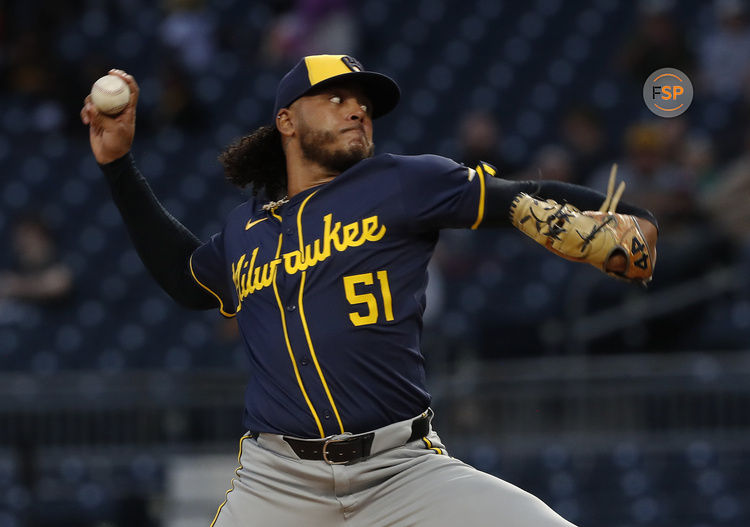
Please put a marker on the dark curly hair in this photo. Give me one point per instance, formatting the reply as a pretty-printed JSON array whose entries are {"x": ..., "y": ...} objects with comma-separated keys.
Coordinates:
[{"x": 257, "y": 159}]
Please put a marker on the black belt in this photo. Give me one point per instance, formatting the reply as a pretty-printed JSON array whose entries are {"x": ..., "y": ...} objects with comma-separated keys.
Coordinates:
[{"x": 341, "y": 449}]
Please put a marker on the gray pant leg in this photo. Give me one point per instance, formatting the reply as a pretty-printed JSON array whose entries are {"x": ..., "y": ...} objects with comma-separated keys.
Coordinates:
[
  {"x": 406, "y": 486},
  {"x": 420, "y": 487},
  {"x": 273, "y": 490}
]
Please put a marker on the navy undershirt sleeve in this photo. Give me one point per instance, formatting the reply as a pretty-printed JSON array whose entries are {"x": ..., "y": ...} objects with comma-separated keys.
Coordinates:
[
  {"x": 500, "y": 194},
  {"x": 163, "y": 243}
]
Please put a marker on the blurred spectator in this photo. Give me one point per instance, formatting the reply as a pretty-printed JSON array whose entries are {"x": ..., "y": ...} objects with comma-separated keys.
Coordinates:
[
  {"x": 189, "y": 32},
  {"x": 479, "y": 139},
  {"x": 698, "y": 161},
  {"x": 30, "y": 67},
  {"x": 657, "y": 42},
  {"x": 673, "y": 133},
  {"x": 32, "y": 70},
  {"x": 38, "y": 276},
  {"x": 727, "y": 200},
  {"x": 178, "y": 105},
  {"x": 312, "y": 27},
  {"x": 582, "y": 133},
  {"x": 51, "y": 83},
  {"x": 653, "y": 180},
  {"x": 189, "y": 36},
  {"x": 725, "y": 75},
  {"x": 552, "y": 162},
  {"x": 28, "y": 34},
  {"x": 725, "y": 52}
]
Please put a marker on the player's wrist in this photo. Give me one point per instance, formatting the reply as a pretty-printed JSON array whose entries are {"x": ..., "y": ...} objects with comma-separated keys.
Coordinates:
[
  {"x": 116, "y": 167},
  {"x": 114, "y": 160}
]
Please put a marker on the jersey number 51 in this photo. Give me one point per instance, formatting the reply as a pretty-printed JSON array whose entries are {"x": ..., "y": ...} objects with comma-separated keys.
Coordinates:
[{"x": 368, "y": 297}]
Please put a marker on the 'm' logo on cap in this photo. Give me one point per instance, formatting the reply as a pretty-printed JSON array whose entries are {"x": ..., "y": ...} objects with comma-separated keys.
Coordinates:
[{"x": 352, "y": 63}]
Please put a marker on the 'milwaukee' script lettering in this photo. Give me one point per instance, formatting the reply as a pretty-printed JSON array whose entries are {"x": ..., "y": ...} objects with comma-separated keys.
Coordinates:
[{"x": 249, "y": 278}]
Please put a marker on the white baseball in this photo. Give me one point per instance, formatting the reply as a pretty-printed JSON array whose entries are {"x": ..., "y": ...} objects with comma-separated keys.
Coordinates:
[{"x": 110, "y": 94}]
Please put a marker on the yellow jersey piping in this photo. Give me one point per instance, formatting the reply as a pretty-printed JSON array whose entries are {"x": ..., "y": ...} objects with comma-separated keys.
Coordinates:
[
  {"x": 314, "y": 356},
  {"x": 221, "y": 304},
  {"x": 299, "y": 226},
  {"x": 236, "y": 474},
  {"x": 302, "y": 313},
  {"x": 428, "y": 443},
  {"x": 289, "y": 349},
  {"x": 480, "y": 212}
]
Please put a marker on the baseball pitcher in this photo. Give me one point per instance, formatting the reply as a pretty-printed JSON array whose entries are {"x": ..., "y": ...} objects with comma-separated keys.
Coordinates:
[{"x": 324, "y": 269}]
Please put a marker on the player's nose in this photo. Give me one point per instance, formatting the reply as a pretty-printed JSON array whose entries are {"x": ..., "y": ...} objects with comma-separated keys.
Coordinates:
[{"x": 355, "y": 110}]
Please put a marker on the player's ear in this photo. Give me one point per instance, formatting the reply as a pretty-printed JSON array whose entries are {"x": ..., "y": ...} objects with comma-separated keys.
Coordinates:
[{"x": 284, "y": 122}]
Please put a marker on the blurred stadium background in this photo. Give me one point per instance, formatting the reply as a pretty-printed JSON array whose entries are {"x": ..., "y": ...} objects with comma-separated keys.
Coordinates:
[{"x": 618, "y": 406}]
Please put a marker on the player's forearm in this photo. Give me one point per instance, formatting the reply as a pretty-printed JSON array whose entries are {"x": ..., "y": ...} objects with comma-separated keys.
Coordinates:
[
  {"x": 501, "y": 192},
  {"x": 163, "y": 243}
]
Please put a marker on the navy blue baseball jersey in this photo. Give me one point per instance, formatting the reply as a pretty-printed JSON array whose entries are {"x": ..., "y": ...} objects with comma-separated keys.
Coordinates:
[{"x": 329, "y": 291}]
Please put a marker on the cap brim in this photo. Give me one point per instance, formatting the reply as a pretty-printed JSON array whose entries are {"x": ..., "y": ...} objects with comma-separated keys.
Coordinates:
[{"x": 382, "y": 91}]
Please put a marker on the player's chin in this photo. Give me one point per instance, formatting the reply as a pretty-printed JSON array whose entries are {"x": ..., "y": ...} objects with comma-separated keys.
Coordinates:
[
  {"x": 360, "y": 147},
  {"x": 349, "y": 156}
]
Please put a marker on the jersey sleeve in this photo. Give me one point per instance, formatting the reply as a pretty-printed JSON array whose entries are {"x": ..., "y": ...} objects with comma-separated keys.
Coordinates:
[
  {"x": 440, "y": 193},
  {"x": 209, "y": 269}
]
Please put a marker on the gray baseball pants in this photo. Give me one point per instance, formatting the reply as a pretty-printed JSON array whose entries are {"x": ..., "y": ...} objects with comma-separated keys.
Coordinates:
[{"x": 399, "y": 484}]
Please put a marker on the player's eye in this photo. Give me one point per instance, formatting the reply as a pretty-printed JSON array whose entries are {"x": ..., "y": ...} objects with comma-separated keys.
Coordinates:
[
  {"x": 335, "y": 99},
  {"x": 364, "y": 107}
]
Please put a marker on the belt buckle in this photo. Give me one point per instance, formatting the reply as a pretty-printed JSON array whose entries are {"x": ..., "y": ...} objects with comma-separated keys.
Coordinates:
[{"x": 325, "y": 453}]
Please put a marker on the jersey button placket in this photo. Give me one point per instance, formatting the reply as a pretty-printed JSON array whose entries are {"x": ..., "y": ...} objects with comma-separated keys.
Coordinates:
[
  {"x": 289, "y": 218},
  {"x": 290, "y": 294}
]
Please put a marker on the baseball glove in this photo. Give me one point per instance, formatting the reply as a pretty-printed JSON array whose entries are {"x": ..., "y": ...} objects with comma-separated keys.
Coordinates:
[{"x": 588, "y": 236}]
